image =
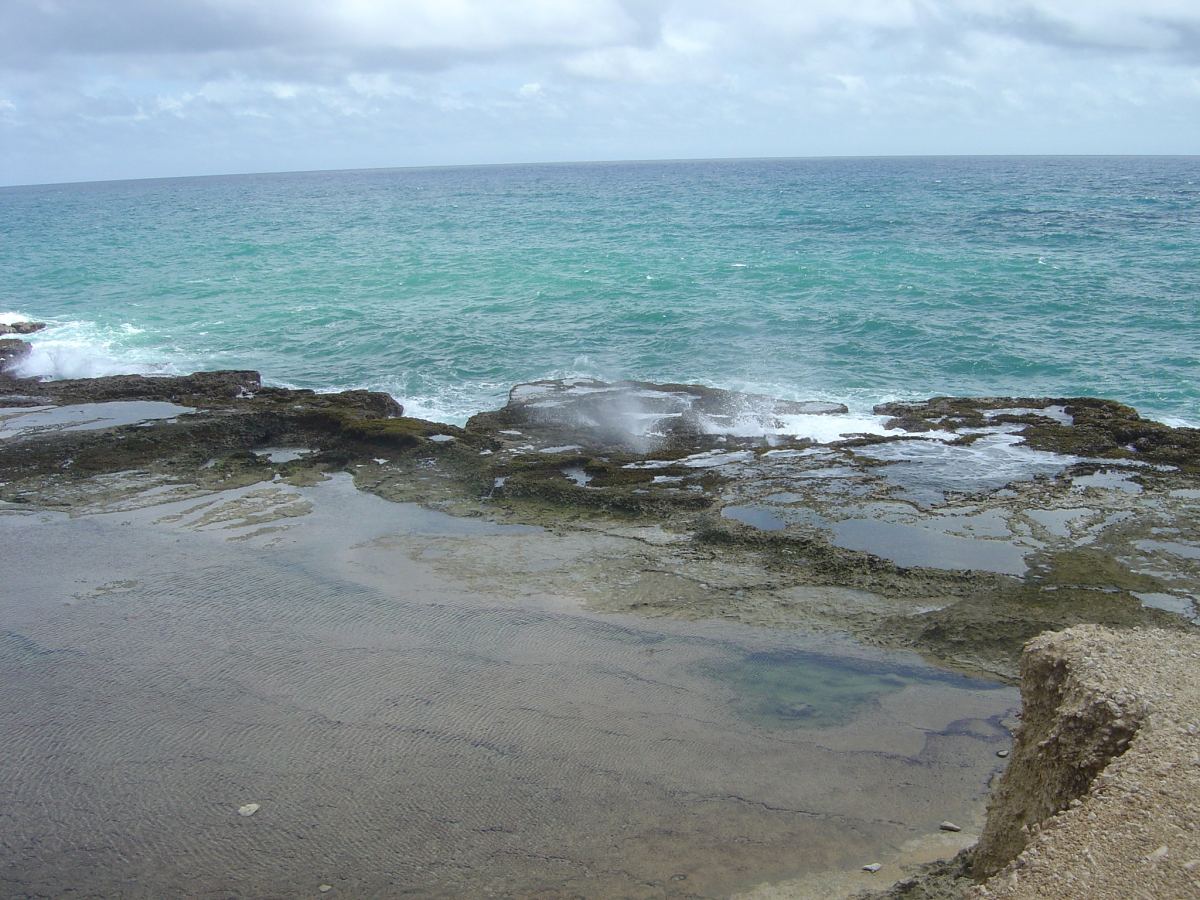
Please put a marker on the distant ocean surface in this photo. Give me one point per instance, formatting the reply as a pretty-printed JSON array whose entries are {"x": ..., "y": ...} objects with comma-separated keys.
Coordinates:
[{"x": 855, "y": 280}]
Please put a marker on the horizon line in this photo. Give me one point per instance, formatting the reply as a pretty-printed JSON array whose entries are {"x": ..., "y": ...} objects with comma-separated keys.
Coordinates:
[{"x": 588, "y": 162}]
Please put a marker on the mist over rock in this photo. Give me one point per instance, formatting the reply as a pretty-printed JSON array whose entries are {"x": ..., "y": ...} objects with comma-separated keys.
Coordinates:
[
  {"x": 12, "y": 351},
  {"x": 640, "y": 415}
]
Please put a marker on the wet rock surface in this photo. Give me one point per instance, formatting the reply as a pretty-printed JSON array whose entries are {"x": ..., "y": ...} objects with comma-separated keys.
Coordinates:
[
  {"x": 957, "y": 527},
  {"x": 20, "y": 328}
]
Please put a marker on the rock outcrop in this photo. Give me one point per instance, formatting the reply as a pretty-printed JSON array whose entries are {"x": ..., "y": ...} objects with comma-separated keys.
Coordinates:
[
  {"x": 20, "y": 327},
  {"x": 951, "y": 536},
  {"x": 637, "y": 415},
  {"x": 1100, "y": 797}
]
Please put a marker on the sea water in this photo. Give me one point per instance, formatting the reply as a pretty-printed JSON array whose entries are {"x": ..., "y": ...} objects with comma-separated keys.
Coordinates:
[{"x": 851, "y": 280}]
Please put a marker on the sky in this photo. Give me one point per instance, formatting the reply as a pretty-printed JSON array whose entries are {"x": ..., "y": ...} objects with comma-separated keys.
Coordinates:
[{"x": 107, "y": 89}]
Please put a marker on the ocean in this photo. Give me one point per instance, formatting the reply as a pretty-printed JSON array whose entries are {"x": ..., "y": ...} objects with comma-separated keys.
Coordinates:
[{"x": 853, "y": 280}]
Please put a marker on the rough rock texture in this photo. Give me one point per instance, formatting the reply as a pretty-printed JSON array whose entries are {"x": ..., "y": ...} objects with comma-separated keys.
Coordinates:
[
  {"x": 1101, "y": 796},
  {"x": 203, "y": 388},
  {"x": 20, "y": 327}
]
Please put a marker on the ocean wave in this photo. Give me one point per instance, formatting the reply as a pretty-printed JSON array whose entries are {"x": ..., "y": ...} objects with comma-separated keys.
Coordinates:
[
  {"x": 78, "y": 349},
  {"x": 83, "y": 349}
]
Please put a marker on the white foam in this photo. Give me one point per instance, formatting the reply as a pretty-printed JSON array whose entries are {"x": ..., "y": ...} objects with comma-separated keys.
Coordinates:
[
  {"x": 12, "y": 318},
  {"x": 823, "y": 427},
  {"x": 88, "y": 350},
  {"x": 54, "y": 360},
  {"x": 429, "y": 409},
  {"x": 1177, "y": 422}
]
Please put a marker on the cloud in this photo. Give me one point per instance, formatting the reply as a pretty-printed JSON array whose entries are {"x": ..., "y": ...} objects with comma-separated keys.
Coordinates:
[
  {"x": 307, "y": 83},
  {"x": 358, "y": 32}
]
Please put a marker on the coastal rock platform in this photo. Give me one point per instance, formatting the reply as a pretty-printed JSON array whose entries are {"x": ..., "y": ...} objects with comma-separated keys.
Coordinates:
[{"x": 955, "y": 528}]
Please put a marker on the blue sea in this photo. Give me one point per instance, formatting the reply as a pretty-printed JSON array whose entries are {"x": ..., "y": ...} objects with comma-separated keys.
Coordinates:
[{"x": 855, "y": 280}]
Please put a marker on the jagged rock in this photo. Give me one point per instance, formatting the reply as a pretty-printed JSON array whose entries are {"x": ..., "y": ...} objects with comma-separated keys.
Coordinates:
[
  {"x": 21, "y": 327},
  {"x": 537, "y": 461}
]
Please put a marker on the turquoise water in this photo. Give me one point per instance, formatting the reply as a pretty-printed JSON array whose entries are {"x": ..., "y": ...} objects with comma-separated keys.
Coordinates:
[{"x": 857, "y": 280}]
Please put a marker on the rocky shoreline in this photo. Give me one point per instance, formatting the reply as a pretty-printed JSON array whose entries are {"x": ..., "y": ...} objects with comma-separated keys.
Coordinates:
[
  {"x": 963, "y": 529},
  {"x": 960, "y": 528}
]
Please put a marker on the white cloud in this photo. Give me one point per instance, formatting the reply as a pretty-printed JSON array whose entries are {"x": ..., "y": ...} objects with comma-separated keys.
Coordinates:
[{"x": 434, "y": 81}]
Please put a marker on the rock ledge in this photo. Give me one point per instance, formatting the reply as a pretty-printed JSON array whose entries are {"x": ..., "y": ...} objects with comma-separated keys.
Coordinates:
[{"x": 1100, "y": 797}]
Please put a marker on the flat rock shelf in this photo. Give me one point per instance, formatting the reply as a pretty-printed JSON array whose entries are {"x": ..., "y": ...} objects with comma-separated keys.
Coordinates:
[{"x": 613, "y": 639}]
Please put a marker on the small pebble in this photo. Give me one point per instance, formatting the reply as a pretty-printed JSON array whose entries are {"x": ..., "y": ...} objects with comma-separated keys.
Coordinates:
[
  {"x": 1160, "y": 853},
  {"x": 248, "y": 810},
  {"x": 872, "y": 868},
  {"x": 1192, "y": 864},
  {"x": 949, "y": 826},
  {"x": 325, "y": 888},
  {"x": 1003, "y": 754}
]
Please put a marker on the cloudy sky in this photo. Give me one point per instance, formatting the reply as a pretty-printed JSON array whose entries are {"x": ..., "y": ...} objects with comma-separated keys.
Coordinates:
[{"x": 98, "y": 89}]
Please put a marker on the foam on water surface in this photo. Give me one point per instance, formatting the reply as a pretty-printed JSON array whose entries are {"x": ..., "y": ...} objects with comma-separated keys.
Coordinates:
[
  {"x": 81, "y": 349},
  {"x": 823, "y": 428}
]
